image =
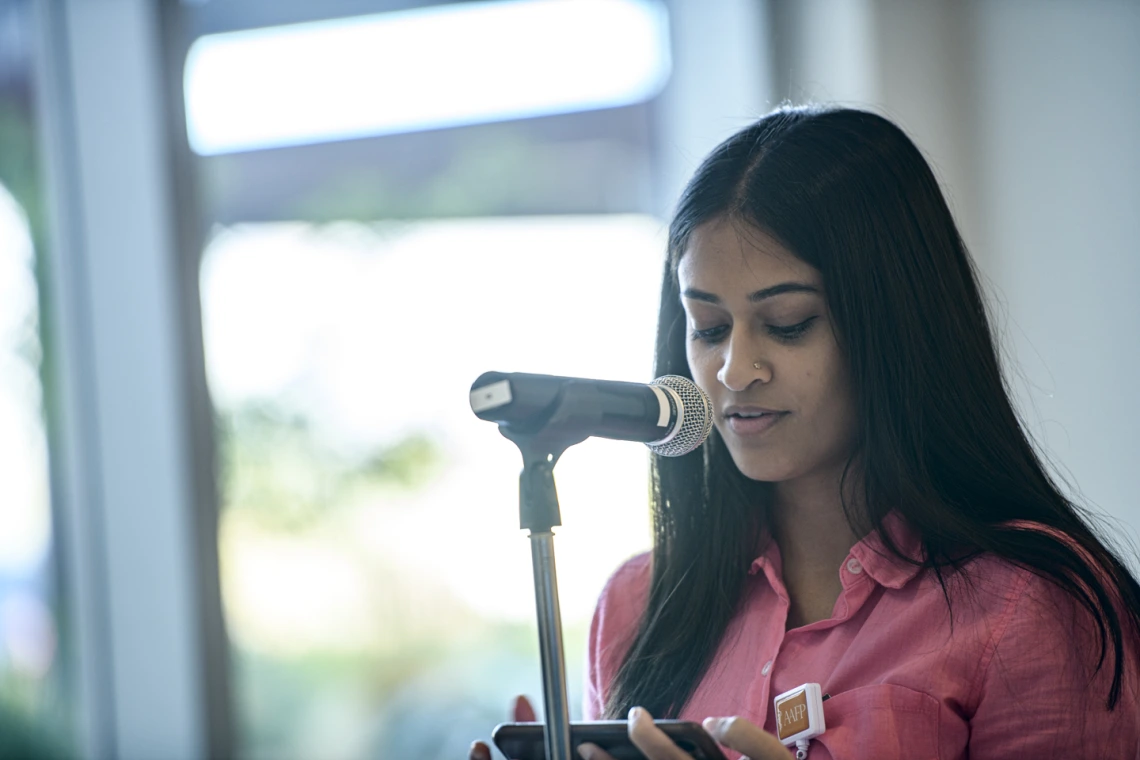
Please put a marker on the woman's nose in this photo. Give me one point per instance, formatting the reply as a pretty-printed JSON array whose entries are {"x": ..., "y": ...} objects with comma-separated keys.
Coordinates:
[{"x": 743, "y": 365}]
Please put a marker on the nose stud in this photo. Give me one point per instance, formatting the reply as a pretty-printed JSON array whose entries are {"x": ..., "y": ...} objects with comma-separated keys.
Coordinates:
[{"x": 765, "y": 374}]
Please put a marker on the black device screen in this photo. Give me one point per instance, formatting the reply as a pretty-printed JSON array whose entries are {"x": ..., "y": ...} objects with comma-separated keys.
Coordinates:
[{"x": 525, "y": 741}]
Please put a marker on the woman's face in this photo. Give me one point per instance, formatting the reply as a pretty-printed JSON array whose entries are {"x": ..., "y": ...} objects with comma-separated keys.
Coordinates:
[{"x": 760, "y": 343}]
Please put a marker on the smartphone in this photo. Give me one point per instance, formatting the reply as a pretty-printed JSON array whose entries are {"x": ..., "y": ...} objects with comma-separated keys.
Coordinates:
[{"x": 525, "y": 741}]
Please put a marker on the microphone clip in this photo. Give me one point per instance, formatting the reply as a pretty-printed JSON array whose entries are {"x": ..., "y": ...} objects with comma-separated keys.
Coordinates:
[{"x": 542, "y": 447}]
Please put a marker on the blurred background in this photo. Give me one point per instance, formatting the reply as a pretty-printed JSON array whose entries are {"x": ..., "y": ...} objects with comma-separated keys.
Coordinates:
[{"x": 253, "y": 253}]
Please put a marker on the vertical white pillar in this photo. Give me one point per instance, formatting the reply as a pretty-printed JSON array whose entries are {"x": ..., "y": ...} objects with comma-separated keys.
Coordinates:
[{"x": 123, "y": 482}]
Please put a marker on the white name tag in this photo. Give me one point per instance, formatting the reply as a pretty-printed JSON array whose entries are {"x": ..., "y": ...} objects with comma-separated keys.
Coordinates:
[{"x": 799, "y": 717}]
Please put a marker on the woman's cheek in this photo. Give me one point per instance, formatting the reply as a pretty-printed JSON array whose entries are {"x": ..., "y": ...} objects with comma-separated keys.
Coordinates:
[{"x": 698, "y": 365}]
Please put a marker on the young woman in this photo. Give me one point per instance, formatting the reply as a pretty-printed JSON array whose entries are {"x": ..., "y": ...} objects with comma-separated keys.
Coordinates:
[{"x": 868, "y": 513}]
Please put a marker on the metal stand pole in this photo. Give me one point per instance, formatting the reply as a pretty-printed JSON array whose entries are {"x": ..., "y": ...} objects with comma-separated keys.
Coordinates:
[
  {"x": 539, "y": 513},
  {"x": 551, "y": 647}
]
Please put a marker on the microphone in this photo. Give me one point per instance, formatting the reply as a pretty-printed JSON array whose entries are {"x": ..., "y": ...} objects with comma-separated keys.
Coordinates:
[{"x": 671, "y": 415}]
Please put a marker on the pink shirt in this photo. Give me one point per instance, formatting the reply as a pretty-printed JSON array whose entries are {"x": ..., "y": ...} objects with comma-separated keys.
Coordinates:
[{"x": 1009, "y": 682}]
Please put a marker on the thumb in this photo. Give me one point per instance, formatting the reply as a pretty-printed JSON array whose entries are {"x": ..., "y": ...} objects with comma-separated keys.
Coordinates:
[
  {"x": 523, "y": 710},
  {"x": 746, "y": 738}
]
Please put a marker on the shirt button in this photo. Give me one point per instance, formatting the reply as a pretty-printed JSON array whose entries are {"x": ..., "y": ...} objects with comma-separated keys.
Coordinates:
[
  {"x": 854, "y": 567},
  {"x": 767, "y": 667}
]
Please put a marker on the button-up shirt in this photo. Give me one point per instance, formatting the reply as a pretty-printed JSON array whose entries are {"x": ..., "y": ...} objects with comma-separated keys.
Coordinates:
[{"x": 1011, "y": 679}]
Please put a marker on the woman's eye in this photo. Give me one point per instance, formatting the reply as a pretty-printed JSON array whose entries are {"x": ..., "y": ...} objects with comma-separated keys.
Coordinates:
[
  {"x": 790, "y": 333},
  {"x": 711, "y": 334}
]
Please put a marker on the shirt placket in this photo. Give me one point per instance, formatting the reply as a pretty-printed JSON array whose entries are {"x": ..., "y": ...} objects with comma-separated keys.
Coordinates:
[{"x": 780, "y": 661}]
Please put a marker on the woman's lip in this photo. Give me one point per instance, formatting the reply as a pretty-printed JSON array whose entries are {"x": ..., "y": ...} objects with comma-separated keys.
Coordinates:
[
  {"x": 753, "y": 425},
  {"x": 749, "y": 409}
]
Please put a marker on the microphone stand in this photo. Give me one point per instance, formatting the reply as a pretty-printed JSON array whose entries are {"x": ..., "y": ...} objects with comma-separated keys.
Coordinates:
[{"x": 539, "y": 513}]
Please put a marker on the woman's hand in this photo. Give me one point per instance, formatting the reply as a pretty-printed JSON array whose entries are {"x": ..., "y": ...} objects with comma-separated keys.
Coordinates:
[
  {"x": 735, "y": 733},
  {"x": 522, "y": 712}
]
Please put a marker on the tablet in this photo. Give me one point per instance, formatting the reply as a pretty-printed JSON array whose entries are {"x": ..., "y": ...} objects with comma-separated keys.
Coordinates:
[{"x": 525, "y": 741}]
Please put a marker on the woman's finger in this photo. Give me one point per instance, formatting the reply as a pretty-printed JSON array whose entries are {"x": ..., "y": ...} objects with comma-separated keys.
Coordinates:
[
  {"x": 654, "y": 743},
  {"x": 523, "y": 710},
  {"x": 746, "y": 738}
]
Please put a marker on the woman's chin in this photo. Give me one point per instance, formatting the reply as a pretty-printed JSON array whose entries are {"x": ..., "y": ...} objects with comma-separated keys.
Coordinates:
[{"x": 766, "y": 469}]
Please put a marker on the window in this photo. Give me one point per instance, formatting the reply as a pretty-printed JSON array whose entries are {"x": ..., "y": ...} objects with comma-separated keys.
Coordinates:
[{"x": 377, "y": 588}]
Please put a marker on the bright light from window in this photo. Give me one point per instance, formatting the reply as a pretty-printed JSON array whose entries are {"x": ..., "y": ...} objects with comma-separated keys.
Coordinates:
[
  {"x": 424, "y": 69},
  {"x": 362, "y": 330}
]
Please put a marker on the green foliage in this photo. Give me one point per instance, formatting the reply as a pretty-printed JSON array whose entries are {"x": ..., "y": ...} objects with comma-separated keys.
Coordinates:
[
  {"x": 274, "y": 466},
  {"x": 20, "y": 175},
  {"x": 18, "y": 160},
  {"x": 22, "y": 737},
  {"x": 410, "y": 463},
  {"x": 425, "y": 702}
]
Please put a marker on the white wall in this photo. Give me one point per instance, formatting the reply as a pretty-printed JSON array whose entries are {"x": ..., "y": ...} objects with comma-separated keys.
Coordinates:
[
  {"x": 1029, "y": 111},
  {"x": 1057, "y": 97}
]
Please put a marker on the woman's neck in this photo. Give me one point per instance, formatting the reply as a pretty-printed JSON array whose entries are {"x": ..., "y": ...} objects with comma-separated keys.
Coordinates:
[{"x": 812, "y": 531}]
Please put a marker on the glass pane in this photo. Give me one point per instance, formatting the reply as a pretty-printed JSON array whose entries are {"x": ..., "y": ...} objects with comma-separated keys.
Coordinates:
[
  {"x": 377, "y": 586},
  {"x": 33, "y": 714}
]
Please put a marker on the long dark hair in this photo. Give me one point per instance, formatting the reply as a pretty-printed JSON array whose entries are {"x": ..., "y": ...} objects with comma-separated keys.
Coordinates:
[{"x": 849, "y": 193}]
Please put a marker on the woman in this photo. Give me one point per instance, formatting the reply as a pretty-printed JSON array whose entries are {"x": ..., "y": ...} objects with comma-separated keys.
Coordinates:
[{"x": 868, "y": 514}]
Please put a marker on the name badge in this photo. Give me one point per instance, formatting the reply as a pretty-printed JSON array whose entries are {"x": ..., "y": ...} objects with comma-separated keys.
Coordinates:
[{"x": 799, "y": 717}]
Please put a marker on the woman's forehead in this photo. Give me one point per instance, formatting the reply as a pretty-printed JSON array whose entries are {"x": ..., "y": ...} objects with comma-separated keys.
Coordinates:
[{"x": 728, "y": 253}]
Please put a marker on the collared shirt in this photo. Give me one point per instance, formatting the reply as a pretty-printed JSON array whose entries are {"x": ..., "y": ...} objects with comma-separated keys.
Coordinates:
[{"x": 1011, "y": 679}]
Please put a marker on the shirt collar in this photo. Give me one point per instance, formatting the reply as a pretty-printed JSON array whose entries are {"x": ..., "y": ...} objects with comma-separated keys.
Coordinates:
[
  {"x": 872, "y": 553},
  {"x": 882, "y": 564},
  {"x": 770, "y": 563}
]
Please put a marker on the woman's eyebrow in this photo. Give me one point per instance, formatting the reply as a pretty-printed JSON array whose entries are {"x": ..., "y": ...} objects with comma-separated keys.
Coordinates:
[{"x": 759, "y": 295}]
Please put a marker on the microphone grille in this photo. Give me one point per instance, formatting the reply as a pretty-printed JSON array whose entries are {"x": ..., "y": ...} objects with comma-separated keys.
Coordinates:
[{"x": 696, "y": 417}]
